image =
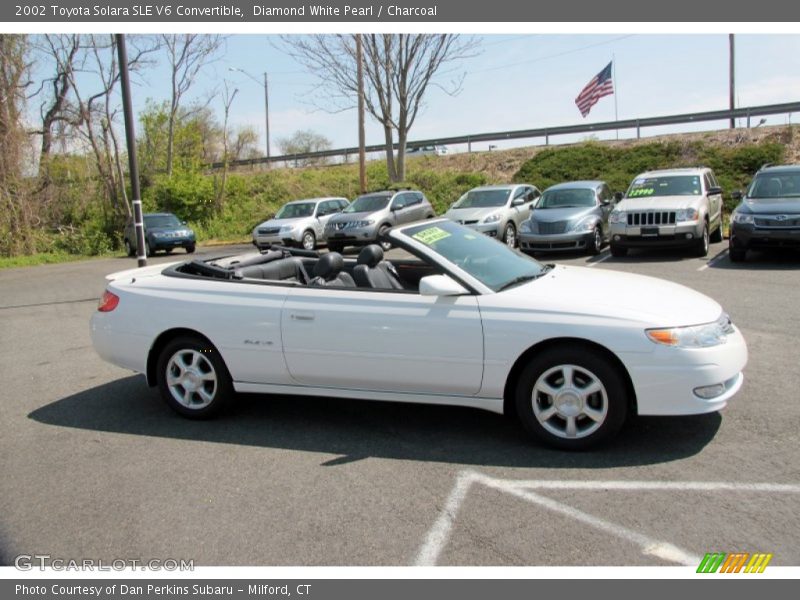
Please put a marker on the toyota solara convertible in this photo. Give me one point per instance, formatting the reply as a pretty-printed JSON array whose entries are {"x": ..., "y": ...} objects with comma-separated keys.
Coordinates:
[{"x": 570, "y": 351}]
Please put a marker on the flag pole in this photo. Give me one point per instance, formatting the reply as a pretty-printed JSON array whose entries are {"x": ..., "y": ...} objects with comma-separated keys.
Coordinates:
[{"x": 614, "y": 79}]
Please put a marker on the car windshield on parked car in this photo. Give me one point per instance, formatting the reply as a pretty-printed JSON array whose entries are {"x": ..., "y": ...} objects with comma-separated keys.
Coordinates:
[
  {"x": 369, "y": 203},
  {"x": 296, "y": 210},
  {"x": 775, "y": 185},
  {"x": 483, "y": 199},
  {"x": 494, "y": 264},
  {"x": 673, "y": 185},
  {"x": 161, "y": 221},
  {"x": 567, "y": 198}
]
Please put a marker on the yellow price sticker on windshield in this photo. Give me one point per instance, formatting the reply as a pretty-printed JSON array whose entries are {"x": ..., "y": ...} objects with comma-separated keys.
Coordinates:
[{"x": 431, "y": 235}]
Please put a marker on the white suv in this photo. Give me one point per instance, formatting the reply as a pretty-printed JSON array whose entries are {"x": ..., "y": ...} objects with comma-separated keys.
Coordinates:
[{"x": 673, "y": 207}]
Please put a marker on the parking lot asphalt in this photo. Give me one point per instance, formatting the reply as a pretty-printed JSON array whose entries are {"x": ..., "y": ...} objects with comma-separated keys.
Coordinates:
[{"x": 94, "y": 465}]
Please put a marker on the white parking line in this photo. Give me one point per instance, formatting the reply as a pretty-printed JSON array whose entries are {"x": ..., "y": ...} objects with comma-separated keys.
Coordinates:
[
  {"x": 437, "y": 538},
  {"x": 713, "y": 261},
  {"x": 599, "y": 260}
]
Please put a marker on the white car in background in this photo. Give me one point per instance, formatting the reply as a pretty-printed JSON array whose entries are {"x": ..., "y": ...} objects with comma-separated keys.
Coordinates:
[
  {"x": 299, "y": 223},
  {"x": 467, "y": 322}
]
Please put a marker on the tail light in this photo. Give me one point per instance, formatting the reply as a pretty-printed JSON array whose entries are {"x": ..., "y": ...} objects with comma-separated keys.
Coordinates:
[{"x": 108, "y": 302}]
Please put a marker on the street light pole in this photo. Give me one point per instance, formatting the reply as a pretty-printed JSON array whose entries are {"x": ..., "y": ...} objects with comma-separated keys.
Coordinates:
[{"x": 266, "y": 102}]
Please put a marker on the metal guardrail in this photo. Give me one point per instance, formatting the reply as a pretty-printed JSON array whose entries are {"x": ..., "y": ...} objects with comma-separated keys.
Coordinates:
[{"x": 545, "y": 132}]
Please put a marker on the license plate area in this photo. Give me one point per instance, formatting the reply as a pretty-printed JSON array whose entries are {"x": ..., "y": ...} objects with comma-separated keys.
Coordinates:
[{"x": 649, "y": 231}]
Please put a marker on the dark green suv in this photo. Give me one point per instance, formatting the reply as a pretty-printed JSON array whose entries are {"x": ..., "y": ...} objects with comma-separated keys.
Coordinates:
[{"x": 162, "y": 231}]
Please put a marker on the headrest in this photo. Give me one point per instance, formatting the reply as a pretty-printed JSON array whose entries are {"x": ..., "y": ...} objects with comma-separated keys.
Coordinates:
[
  {"x": 329, "y": 266},
  {"x": 370, "y": 255}
]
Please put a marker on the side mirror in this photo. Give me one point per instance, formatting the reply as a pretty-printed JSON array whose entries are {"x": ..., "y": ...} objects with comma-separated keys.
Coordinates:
[
  {"x": 737, "y": 194},
  {"x": 618, "y": 196},
  {"x": 606, "y": 202},
  {"x": 440, "y": 285},
  {"x": 714, "y": 190},
  {"x": 183, "y": 222},
  {"x": 517, "y": 202}
]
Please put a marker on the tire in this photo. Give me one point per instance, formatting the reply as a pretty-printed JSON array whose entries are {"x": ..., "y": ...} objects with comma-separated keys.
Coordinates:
[
  {"x": 190, "y": 249},
  {"x": 618, "y": 251},
  {"x": 716, "y": 237},
  {"x": 736, "y": 254},
  {"x": 510, "y": 235},
  {"x": 129, "y": 249},
  {"x": 147, "y": 250},
  {"x": 193, "y": 379},
  {"x": 335, "y": 247},
  {"x": 309, "y": 241},
  {"x": 571, "y": 398},
  {"x": 597, "y": 242},
  {"x": 702, "y": 243},
  {"x": 386, "y": 245}
]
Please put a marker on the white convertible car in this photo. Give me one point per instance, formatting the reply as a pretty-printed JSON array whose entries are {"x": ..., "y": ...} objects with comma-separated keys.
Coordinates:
[{"x": 570, "y": 351}]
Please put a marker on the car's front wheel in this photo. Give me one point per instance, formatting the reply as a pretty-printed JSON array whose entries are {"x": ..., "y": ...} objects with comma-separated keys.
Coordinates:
[
  {"x": 190, "y": 249},
  {"x": 571, "y": 398},
  {"x": 510, "y": 235},
  {"x": 129, "y": 249},
  {"x": 702, "y": 243},
  {"x": 596, "y": 243},
  {"x": 309, "y": 240},
  {"x": 736, "y": 253},
  {"x": 193, "y": 379},
  {"x": 618, "y": 251},
  {"x": 335, "y": 247},
  {"x": 384, "y": 242}
]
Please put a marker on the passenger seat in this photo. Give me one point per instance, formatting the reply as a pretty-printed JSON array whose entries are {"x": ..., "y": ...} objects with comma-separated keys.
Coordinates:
[
  {"x": 371, "y": 271},
  {"x": 328, "y": 272}
]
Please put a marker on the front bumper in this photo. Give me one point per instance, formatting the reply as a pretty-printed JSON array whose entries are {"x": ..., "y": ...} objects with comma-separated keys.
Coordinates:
[
  {"x": 166, "y": 243},
  {"x": 665, "y": 380},
  {"x": 353, "y": 236},
  {"x": 491, "y": 229},
  {"x": 747, "y": 236},
  {"x": 681, "y": 234},
  {"x": 562, "y": 242}
]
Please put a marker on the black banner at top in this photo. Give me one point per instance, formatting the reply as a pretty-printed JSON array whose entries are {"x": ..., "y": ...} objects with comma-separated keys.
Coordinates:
[{"x": 406, "y": 11}]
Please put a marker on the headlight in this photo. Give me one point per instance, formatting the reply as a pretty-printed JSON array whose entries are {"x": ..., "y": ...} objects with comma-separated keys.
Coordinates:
[
  {"x": 493, "y": 218},
  {"x": 695, "y": 336},
  {"x": 687, "y": 214},
  {"x": 617, "y": 216},
  {"x": 158, "y": 234},
  {"x": 584, "y": 224},
  {"x": 525, "y": 227},
  {"x": 364, "y": 223},
  {"x": 743, "y": 218},
  {"x": 287, "y": 228}
]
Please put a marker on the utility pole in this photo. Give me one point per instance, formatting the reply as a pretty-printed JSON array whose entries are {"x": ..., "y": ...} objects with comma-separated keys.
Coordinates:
[
  {"x": 732, "y": 76},
  {"x": 130, "y": 136},
  {"x": 362, "y": 159},
  {"x": 266, "y": 111}
]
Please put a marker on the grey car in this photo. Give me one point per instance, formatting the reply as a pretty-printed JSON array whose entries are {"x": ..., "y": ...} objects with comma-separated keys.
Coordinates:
[
  {"x": 370, "y": 216},
  {"x": 674, "y": 207},
  {"x": 495, "y": 210},
  {"x": 162, "y": 231},
  {"x": 569, "y": 216},
  {"x": 768, "y": 215},
  {"x": 299, "y": 223}
]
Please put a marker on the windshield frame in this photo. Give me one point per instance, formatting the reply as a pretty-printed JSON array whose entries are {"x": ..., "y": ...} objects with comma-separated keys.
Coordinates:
[
  {"x": 428, "y": 254},
  {"x": 773, "y": 175}
]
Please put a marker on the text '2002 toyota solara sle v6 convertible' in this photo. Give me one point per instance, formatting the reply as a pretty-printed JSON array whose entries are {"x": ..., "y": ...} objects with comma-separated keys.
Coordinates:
[{"x": 570, "y": 351}]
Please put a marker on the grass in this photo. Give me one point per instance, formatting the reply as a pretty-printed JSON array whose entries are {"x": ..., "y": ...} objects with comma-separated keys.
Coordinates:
[{"x": 44, "y": 258}]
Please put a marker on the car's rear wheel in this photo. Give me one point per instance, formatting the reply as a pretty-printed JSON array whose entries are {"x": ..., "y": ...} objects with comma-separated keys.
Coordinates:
[
  {"x": 702, "y": 243},
  {"x": 309, "y": 240},
  {"x": 510, "y": 235},
  {"x": 618, "y": 251},
  {"x": 716, "y": 237},
  {"x": 571, "y": 398},
  {"x": 193, "y": 379},
  {"x": 596, "y": 243},
  {"x": 335, "y": 247}
]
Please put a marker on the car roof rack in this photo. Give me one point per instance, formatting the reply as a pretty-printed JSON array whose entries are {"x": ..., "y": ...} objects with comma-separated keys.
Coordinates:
[{"x": 766, "y": 166}]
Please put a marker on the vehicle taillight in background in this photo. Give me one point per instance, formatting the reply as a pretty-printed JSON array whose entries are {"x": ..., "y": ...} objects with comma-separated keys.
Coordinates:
[{"x": 108, "y": 302}]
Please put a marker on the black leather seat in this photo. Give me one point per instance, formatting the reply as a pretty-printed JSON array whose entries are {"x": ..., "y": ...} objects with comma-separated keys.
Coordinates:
[
  {"x": 284, "y": 269},
  {"x": 328, "y": 272},
  {"x": 371, "y": 271}
]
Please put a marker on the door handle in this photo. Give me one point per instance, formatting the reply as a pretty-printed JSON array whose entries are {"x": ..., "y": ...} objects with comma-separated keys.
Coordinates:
[{"x": 302, "y": 317}]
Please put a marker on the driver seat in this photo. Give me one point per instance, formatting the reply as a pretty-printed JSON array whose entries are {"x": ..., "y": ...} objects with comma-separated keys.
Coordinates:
[
  {"x": 328, "y": 272},
  {"x": 371, "y": 271}
]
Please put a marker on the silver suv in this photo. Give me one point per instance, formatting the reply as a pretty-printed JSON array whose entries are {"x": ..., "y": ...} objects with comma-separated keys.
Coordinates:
[
  {"x": 674, "y": 207},
  {"x": 370, "y": 216},
  {"x": 299, "y": 223},
  {"x": 496, "y": 210}
]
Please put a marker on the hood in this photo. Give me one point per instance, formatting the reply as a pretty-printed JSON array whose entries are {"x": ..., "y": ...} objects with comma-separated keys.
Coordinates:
[
  {"x": 658, "y": 203},
  {"x": 353, "y": 216},
  {"x": 616, "y": 295},
  {"x": 471, "y": 214},
  {"x": 280, "y": 222},
  {"x": 772, "y": 206},
  {"x": 553, "y": 215}
]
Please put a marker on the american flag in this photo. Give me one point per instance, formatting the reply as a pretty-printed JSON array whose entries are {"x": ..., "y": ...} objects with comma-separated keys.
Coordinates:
[{"x": 600, "y": 85}]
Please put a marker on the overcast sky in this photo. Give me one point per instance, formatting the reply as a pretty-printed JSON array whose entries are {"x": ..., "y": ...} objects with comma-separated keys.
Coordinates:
[{"x": 517, "y": 82}]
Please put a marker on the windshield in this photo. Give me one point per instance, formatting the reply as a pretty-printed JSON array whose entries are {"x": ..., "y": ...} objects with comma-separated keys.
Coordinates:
[
  {"x": 295, "y": 211},
  {"x": 482, "y": 199},
  {"x": 368, "y": 204},
  {"x": 491, "y": 262},
  {"x": 775, "y": 185},
  {"x": 158, "y": 221},
  {"x": 673, "y": 185},
  {"x": 564, "y": 198}
]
